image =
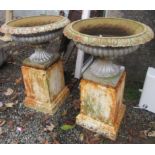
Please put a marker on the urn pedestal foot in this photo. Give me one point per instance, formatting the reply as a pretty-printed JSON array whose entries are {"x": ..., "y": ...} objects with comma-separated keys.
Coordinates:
[
  {"x": 45, "y": 88},
  {"x": 109, "y": 131},
  {"x": 101, "y": 103},
  {"x": 51, "y": 107}
]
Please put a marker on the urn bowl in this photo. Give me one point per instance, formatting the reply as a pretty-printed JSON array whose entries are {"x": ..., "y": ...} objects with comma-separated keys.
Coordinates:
[
  {"x": 108, "y": 38},
  {"x": 38, "y": 31}
]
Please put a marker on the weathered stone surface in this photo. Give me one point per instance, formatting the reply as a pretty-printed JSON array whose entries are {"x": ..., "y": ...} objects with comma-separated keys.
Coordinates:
[
  {"x": 101, "y": 107},
  {"x": 145, "y": 55},
  {"x": 110, "y": 81},
  {"x": 45, "y": 65},
  {"x": 45, "y": 89},
  {"x": 101, "y": 127}
]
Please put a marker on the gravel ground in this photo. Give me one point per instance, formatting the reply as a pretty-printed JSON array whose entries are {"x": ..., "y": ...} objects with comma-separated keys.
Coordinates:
[{"x": 24, "y": 125}]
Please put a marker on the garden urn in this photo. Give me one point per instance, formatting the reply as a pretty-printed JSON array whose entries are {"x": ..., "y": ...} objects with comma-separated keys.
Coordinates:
[
  {"x": 43, "y": 71},
  {"x": 102, "y": 84}
]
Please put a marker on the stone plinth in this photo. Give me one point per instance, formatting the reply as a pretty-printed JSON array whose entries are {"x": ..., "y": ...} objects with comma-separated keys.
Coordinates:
[
  {"x": 45, "y": 88},
  {"x": 101, "y": 104}
]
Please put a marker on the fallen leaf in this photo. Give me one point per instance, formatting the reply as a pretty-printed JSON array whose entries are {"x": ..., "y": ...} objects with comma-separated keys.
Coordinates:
[
  {"x": 152, "y": 125},
  {"x": 9, "y": 105},
  {"x": 10, "y": 124},
  {"x": 46, "y": 119},
  {"x": 20, "y": 129},
  {"x": 81, "y": 137},
  {"x": 1, "y": 131},
  {"x": 94, "y": 140},
  {"x": 56, "y": 141},
  {"x": 53, "y": 135},
  {"x": 70, "y": 121},
  {"x": 66, "y": 127},
  {"x": 143, "y": 134},
  {"x": 76, "y": 104},
  {"x": 64, "y": 113},
  {"x": 91, "y": 138},
  {"x": 18, "y": 80},
  {"x": 40, "y": 139},
  {"x": 14, "y": 97},
  {"x": 15, "y": 53},
  {"x": 16, "y": 102},
  {"x": 8, "y": 92},
  {"x": 45, "y": 142},
  {"x": 2, "y": 122},
  {"x": 1, "y": 104},
  {"x": 130, "y": 139},
  {"x": 133, "y": 132},
  {"x": 16, "y": 141},
  {"x": 3, "y": 108},
  {"x": 151, "y": 134},
  {"x": 49, "y": 127}
]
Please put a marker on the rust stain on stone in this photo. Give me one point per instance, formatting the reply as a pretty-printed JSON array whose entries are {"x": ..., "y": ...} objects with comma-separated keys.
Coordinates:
[
  {"x": 45, "y": 89},
  {"x": 101, "y": 106}
]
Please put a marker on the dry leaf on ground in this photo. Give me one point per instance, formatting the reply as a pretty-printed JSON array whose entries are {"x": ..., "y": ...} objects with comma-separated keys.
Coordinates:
[
  {"x": 18, "y": 80},
  {"x": 81, "y": 137},
  {"x": 49, "y": 127},
  {"x": 9, "y": 105},
  {"x": 64, "y": 113},
  {"x": 1, "y": 104},
  {"x": 8, "y": 92},
  {"x": 20, "y": 129},
  {"x": 76, "y": 104},
  {"x": 45, "y": 142},
  {"x": 3, "y": 108},
  {"x": 152, "y": 125},
  {"x": 91, "y": 138},
  {"x": 1, "y": 131},
  {"x": 2, "y": 122},
  {"x": 56, "y": 141},
  {"x": 151, "y": 134},
  {"x": 10, "y": 124}
]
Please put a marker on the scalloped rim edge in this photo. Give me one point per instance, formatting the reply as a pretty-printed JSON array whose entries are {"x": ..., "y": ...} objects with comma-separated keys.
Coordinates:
[
  {"x": 132, "y": 40},
  {"x": 5, "y": 28}
]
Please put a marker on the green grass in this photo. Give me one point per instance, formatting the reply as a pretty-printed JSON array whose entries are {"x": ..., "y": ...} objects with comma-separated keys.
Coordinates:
[{"x": 132, "y": 91}]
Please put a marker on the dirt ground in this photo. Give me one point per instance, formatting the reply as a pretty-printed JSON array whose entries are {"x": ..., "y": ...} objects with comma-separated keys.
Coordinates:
[{"x": 19, "y": 124}]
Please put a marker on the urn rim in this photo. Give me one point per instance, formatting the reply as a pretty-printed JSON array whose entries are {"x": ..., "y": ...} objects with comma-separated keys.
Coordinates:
[
  {"x": 142, "y": 32},
  {"x": 34, "y": 24}
]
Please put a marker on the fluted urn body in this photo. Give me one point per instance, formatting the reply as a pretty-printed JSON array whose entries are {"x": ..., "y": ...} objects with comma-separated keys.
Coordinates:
[
  {"x": 108, "y": 38},
  {"x": 37, "y": 31}
]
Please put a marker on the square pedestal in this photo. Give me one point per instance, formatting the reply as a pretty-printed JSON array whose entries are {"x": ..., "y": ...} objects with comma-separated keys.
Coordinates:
[
  {"x": 45, "y": 88},
  {"x": 101, "y": 104}
]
